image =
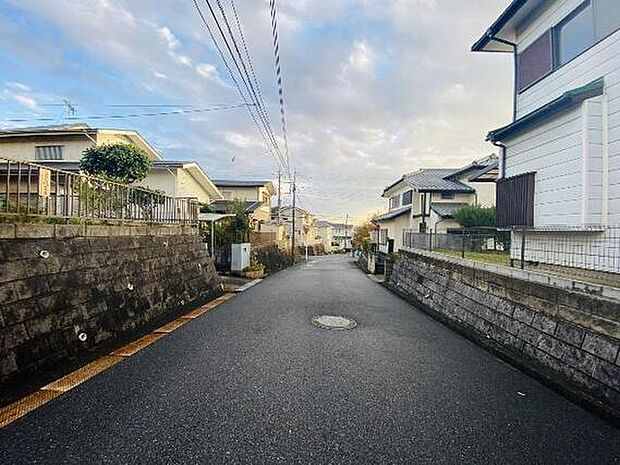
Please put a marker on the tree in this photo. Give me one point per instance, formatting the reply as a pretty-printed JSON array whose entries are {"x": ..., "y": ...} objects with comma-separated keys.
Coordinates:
[
  {"x": 361, "y": 236},
  {"x": 240, "y": 223},
  {"x": 474, "y": 216},
  {"x": 123, "y": 163}
]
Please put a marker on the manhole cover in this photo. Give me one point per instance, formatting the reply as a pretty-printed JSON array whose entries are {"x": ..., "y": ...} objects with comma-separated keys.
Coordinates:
[{"x": 333, "y": 322}]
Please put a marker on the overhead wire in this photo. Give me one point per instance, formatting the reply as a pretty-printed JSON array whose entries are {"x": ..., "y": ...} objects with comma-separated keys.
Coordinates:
[
  {"x": 252, "y": 71},
  {"x": 250, "y": 86},
  {"x": 131, "y": 115},
  {"x": 278, "y": 71},
  {"x": 275, "y": 150}
]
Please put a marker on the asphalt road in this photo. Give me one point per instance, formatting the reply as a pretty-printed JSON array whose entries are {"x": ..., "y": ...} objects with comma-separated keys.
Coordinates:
[{"x": 254, "y": 382}]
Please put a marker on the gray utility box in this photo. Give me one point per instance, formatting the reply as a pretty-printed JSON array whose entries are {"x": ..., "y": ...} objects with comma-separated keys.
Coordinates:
[{"x": 239, "y": 256}]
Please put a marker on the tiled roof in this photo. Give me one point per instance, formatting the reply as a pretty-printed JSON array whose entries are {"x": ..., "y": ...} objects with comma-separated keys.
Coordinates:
[
  {"x": 393, "y": 213},
  {"x": 445, "y": 210},
  {"x": 435, "y": 180}
]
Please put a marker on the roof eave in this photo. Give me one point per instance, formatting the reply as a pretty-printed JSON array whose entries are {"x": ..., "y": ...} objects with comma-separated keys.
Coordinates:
[
  {"x": 497, "y": 26},
  {"x": 196, "y": 171},
  {"x": 564, "y": 102}
]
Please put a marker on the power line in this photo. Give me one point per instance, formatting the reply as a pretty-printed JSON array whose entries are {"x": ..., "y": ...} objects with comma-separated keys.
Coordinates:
[
  {"x": 243, "y": 73},
  {"x": 131, "y": 115},
  {"x": 250, "y": 86},
  {"x": 130, "y": 105},
  {"x": 210, "y": 33},
  {"x": 253, "y": 73},
  {"x": 278, "y": 70}
]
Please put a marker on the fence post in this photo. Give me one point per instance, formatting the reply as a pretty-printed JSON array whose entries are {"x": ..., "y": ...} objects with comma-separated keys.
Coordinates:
[
  {"x": 430, "y": 241},
  {"x": 463, "y": 245},
  {"x": 523, "y": 249}
]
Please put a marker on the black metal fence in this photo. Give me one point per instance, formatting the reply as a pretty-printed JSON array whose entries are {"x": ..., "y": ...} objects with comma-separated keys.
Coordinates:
[
  {"x": 464, "y": 242},
  {"x": 591, "y": 248},
  {"x": 32, "y": 189}
]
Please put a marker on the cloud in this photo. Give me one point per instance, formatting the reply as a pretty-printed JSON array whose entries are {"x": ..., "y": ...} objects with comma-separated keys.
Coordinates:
[
  {"x": 373, "y": 88},
  {"x": 169, "y": 37},
  {"x": 206, "y": 70},
  {"x": 362, "y": 59},
  {"x": 25, "y": 100}
]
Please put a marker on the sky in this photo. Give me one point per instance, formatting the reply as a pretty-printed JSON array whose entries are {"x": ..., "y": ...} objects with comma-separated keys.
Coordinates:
[{"x": 373, "y": 88}]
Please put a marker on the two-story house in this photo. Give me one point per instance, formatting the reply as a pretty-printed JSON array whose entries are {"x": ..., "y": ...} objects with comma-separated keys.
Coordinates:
[
  {"x": 424, "y": 200},
  {"x": 61, "y": 147},
  {"x": 342, "y": 236},
  {"x": 306, "y": 232},
  {"x": 255, "y": 194},
  {"x": 560, "y": 156}
]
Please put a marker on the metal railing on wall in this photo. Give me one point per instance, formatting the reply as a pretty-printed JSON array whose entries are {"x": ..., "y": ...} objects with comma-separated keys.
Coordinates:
[
  {"x": 34, "y": 189},
  {"x": 595, "y": 247},
  {"x": 464, "y": 242}
]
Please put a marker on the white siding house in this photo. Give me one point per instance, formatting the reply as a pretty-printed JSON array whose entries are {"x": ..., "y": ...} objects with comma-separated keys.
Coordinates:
[
  {"x": 560, "y": 163},
  {"x": 424, "y": 200}
]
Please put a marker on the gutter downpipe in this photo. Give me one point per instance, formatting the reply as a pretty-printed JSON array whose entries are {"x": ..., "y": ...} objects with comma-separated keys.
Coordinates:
[
  {"x": 491, "y": 36},
  {"x": 502, "y": 156}
]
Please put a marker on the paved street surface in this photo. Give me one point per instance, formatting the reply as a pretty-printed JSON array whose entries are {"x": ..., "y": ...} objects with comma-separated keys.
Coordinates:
[{"x": 254, "y": 382}]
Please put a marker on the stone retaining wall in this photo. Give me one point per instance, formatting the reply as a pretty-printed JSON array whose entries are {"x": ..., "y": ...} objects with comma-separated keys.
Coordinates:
[
  {"x": 568, "y": 338},
  {"x": 58, "y": 282}
]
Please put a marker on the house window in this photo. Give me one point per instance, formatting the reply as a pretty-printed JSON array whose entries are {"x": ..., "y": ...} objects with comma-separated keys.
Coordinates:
[
  {"x": 447, "y": 195},
  {"x": 606, "y": 17},
  {"x": 589, "y": 23},
  {"x": 574, "y": 34},
  {"x": 535, "y": 61},
  {"x": 394, "y": 202},
  {"x": 407, "y": 197},
  {"x": 49, "y": 152},
  {"x": 425, "y": 204},
  {"x": 383, "y": 236},
  {"x": 515, "y": 201}
]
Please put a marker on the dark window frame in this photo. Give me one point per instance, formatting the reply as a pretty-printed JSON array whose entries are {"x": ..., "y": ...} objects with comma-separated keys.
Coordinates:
[
  {"x": 557, "y": 66},
  {"x": 555, "y": 32},
  {"x": 409, "y": 200},
  {"x": 448, "y": 195},
  {"x": 551, "y": 56},
  {"x": 41, "y": 150}
]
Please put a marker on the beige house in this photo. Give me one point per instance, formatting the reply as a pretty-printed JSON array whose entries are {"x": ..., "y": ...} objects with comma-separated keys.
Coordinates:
[
  {"x": 256, "y": 195},
  {"x": 306, "y": 232},
  {"x": 62, "y": 146},
  {"x": 325, "y": 232},
  {"x": 424, "y": 200}
]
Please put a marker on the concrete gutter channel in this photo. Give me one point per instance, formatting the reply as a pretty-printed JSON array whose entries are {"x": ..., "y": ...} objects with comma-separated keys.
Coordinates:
[
  {"x": 53, "y": 389},
  {"x": 532, "y": 367}
]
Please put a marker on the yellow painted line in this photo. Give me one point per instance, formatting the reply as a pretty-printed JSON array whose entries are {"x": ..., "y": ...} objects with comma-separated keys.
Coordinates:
[
  {"x": 136, "y": 346},
  {"x": 195, "y": 313},
  {"x": 80, "y": 375},
  {"x": 173, "y": 325},
  {"x": 18, "y": 409}
]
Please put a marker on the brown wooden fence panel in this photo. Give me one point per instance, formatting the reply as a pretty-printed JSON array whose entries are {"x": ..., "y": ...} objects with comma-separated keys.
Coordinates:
[{"x": 515, "y": 201}]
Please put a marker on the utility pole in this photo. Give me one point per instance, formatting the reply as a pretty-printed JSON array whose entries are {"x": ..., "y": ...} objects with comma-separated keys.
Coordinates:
[
  {"x": 346, "y": 231},
  {"x": 294, "y": 215},
  {"x": 279, "y": 196}
]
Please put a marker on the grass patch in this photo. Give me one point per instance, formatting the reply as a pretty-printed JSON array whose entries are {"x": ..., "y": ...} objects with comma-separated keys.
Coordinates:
[{"x": 496, "y": 258}]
